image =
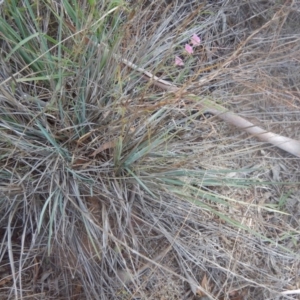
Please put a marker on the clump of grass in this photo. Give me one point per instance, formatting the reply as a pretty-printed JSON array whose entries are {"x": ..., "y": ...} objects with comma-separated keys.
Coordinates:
[{"x": 104, "y": 177}]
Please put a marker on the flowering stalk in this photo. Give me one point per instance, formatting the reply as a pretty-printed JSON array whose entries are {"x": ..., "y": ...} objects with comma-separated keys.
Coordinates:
[{"x": 195, "y": 41}]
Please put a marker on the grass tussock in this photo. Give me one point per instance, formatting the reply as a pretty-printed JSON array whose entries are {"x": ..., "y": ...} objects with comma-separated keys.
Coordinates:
[{"x": 112, "y": 188}]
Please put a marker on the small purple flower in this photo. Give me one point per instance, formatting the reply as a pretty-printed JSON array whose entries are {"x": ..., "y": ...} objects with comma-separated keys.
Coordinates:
[
  {"x": 178, "y": 61},
  {"x": 195, "y": 40},
  {"x": 189, "y": 49}
]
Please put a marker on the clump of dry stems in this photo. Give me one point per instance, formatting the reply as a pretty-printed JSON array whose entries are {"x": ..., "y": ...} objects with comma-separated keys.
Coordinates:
[{"x": 113, "y": 188}]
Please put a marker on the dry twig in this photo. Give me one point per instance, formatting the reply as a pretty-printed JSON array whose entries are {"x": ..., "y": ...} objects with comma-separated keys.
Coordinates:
[{"x": 207, "y": 105}]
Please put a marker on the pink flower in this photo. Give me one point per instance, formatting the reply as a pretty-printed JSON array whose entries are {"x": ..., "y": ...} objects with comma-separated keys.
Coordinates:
[
  {"x": 178, "y": 61},
  {"x": 195, "y": 40},
  {"x": 189, "y": 49}
]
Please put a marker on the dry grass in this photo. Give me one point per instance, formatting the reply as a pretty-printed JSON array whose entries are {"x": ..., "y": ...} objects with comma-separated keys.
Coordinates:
[{"x": 114, "y": 189}]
